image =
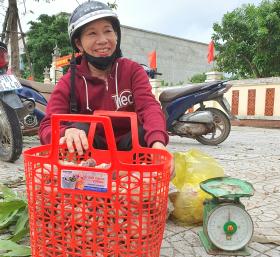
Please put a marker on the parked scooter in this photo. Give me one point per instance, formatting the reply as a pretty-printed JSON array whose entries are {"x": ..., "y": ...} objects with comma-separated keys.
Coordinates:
[
  {"x": 39, "y": 93},
  {"x": 11, "y": 111},
  {"x": 208, "y": 125}
]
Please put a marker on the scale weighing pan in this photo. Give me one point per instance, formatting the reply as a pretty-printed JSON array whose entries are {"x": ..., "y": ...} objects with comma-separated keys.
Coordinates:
[{"x": 227, "y": 187}]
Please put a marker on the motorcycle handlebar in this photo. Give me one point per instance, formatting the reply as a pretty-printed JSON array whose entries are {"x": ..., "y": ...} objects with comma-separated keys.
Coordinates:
[{"x": 150, "y": 72}]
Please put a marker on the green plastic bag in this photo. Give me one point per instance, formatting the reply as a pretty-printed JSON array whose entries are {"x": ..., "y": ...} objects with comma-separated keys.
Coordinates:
[{"x": 192, "y": 167}]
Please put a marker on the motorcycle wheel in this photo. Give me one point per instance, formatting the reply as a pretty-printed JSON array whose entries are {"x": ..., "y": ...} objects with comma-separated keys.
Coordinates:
[
  {"x": 10, "y": 134},
  {"x": 221, "y": 129}
]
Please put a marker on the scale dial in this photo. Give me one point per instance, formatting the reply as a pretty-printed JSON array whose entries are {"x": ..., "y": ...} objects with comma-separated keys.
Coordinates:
[{"x": 229, "y": 227}]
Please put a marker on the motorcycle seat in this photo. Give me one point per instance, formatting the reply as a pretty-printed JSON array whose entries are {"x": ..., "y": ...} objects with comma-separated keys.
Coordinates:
[
  {"x": 174, "y": 93},
  {"x": 40, "y": 87}
]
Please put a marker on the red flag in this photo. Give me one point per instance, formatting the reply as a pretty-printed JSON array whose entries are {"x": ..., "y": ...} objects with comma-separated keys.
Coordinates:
[
  {"x": 211, "y": 49},
  {"x": 153, "y": 60}
]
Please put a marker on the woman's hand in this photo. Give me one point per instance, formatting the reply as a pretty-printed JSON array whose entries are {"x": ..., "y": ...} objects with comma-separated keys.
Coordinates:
[
  {"x": 159, "y": 145},
  {"x": 75, "y": 138}
]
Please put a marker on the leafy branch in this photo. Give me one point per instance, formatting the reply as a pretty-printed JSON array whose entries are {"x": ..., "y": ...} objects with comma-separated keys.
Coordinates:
[
  {"x": 113, "y": 5},
  {"x": 13, "y": 223}
]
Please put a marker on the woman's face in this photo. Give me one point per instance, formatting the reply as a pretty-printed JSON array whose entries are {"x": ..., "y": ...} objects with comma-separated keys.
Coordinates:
[{"x": 98, "y": 38}]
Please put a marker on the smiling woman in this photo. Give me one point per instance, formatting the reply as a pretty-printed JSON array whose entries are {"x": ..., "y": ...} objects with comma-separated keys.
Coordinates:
[{"x": 101, "y": 79}]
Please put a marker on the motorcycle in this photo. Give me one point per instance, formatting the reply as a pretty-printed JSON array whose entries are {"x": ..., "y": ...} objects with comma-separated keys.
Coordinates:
[
  {"x": 12, "y": 109},
  {"x": 208, "y": 125},
  {"x": 39, "y": 93}
]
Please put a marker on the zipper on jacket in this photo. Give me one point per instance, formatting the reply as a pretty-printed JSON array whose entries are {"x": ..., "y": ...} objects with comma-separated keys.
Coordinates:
[{"x": 106, "y": 84}]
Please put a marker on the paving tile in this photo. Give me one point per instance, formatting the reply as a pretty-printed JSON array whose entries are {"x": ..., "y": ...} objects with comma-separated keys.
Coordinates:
[
  {"x": 267, "y": 231},
  {"x": 251, "y": 154},
  {"x": 253, "y": 252},
  {"x": 177, "y": 254},
  {"x": 200, "y": 252},
  {"x": 260, "y": 248},
  {"x": 261, "y": 255},
  {"x": 175, "y": 238},
  {"x": 167, "y": 252},
  {"x": 267, "y": 224},
  {"x": 273, "y": 253},
  {"x": 165, "y": 244},
  {"x": 182, "y": 247}
]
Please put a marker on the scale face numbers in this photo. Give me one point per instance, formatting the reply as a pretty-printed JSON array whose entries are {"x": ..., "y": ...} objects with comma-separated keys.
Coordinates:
[{"x": 229, "y": 227}]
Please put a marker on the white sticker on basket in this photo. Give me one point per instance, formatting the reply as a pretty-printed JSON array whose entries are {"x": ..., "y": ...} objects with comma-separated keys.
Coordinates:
[{"x": 84, "y": 180}]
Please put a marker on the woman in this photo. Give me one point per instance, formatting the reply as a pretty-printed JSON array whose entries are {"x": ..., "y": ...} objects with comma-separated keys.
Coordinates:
[{"x": 104, "y": 81}]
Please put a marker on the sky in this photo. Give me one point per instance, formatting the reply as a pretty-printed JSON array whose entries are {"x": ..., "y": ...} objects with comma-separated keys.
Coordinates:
[{"x": 188, "y": 19}]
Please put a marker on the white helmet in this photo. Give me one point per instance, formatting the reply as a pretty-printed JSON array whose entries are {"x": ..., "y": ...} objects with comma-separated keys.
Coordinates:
[{"x": 88, "y": 12}]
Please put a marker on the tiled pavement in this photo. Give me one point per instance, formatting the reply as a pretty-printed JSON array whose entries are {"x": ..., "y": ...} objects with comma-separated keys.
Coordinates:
[
  {"x": 252, "y": 154},
  {"x": 249, "y": 153}
]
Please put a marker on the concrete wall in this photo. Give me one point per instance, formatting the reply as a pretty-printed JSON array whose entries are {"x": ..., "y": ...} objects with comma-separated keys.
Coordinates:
[{"x": 178, "y": 59}]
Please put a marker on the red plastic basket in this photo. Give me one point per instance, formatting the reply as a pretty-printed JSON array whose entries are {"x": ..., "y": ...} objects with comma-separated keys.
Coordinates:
[{"x": 115, "y": 210}]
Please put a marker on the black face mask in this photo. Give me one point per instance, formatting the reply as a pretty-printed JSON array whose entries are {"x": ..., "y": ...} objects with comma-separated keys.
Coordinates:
[{"x": 100, "y": 63}]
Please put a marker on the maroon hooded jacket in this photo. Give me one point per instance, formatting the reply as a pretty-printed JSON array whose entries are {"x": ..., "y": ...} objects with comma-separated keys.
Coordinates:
[{"x": 127, "y": 89}]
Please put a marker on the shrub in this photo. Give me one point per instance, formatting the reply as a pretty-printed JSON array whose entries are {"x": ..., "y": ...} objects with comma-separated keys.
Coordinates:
[{"x": 198, "y": 78}]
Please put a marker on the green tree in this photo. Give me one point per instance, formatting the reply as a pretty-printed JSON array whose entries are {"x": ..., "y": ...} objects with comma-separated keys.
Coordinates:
[
  {"x": 113, "y": 5},
  {"x": 10, "y": 33},
  {"x": 248, "y": 40},
  {"x": 43, "y": 36}
]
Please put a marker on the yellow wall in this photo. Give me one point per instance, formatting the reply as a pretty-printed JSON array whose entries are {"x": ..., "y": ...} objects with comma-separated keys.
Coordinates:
[{"x": 260, "y": 86}]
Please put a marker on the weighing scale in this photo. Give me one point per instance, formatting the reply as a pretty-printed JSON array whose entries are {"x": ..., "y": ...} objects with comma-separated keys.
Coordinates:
[{"x": 227, "y": 226}]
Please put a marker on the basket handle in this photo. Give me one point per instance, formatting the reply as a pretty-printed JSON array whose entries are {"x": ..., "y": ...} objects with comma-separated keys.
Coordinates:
[
  {"x": 105, "y": 121},
  {"x": 133, "y": 121}
]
